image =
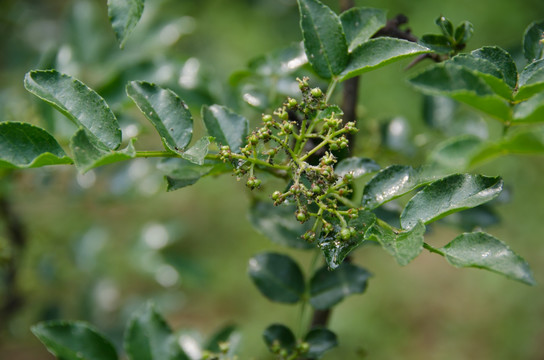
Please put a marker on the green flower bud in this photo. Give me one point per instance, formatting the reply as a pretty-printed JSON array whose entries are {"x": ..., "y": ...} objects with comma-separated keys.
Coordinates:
[
  {"x": 291, "y": 103},
  {"x": 345, "y": 234},
  {"x": 316, "y": 92},
  {"x": 301, "y": 216}
]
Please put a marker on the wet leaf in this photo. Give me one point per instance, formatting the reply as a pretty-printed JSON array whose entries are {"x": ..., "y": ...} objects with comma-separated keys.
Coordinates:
[
  {"x": 227, "y": 127},
  {"x": 404, "y": 246},
  {"x": 358, "y": 166}
]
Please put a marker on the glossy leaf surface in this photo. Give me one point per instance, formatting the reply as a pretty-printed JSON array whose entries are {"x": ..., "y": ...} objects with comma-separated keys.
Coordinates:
[
  {"x": 324, "y": 40},
  {"x": 533, "y": 48},
  {"x": 198, "y": 151},
  {"x": 328, "y": 288},
  {"x": 358, "y": 166},
  {"x": 481, "y": 250},
  {"x": 279, "y": 224},
  {"x": 279, "y": 335},
  {"x": 181, "y": 172},
  {"x": 404, "y": 245},
  {"x": 531, "y": 80},
  {"x": 277, "y": 277},
  {"x": 320, "y": 341},
  {"x": 166, "y": 111},
  {"x": 379, "y": 52},
  {"x": 448, "y": 195},
  {"x": 360, "y": 24},
  {"x": 148, "y": 337},
  {"x": 77, "y": 102},
  {"x": 124, "y": 15},
  {"x": 335, "y": 250},
  {"x": 459, "y": 83},
  {"x": 227, "y": 127},
  {"x": 89, "y": 154},
  {"x": 392, "y": 182},
  {"x": 455, "y": 154},
  {"x": 23, "y": 145},
  {"x": 74, "y": 340}
]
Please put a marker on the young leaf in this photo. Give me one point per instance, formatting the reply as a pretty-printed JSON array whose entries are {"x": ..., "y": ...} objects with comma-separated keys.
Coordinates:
[
  {"x": 24, "y": 145},
  {"x": 148, "y": 337},
  {"x": 228, "y": 334},
  {"x": 379, "y": 52},
  {"x": 197, "y": 153},
  {"x": 405, "y": 246},
  {"x": 278, "y": 224},
  {"x": 448, "y": 195},
  {"x": 483, "y": 251},
  {"x": 336, "y": 251},
  {"x": 531, "y": 80},
  {"x": 181, "y": 172},
  {"x": 437, "y": 43},
  {"x": 360, "y": 24},
  {"x": 166, "y": 111},
  {"x": 279, "y": 335},
  {"x": 74, "y": 340},
  {"x": 227, "y": 127},
  {"x": 88, "y": 153},
  {"x": 320, "y": 341},
  {"x": 463, "y": 32},
  {"x": 324, "y": 39},
  {"x": 357, "y": 166},
  {"x": 392, "y": 182},
  {"x": 328, "y": 288},
  {"x": 124, "y": 15},
  {"x": 533, "y": 48},
  {"x": 459, "y": 83},
  {"x": 445, "y": 25},
  {"x": 277, "y": 277},
  {"x": 77, "y": 102}
]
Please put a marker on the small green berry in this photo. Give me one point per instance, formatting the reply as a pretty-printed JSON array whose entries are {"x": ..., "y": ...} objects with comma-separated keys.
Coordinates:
[
  {"x": 267, "y": 118},
  {"x": 276, "y": 195},
  {"x": 316, "y": 189},
  {"x": 301, "y": 216},
  {"x": 345, "y": 233},
  {"x": 316, "y": 92},
  {"x": 291, "y": 103}
]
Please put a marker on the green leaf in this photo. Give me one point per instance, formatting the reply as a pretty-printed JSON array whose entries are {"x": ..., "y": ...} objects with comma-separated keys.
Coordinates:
[
  {"x": 74, "y": 340},
  {"x": 459, "y": 83},
  {"x": 455, "y": 154},
  {"x": 181, "y": 172},
  {"x": 77, "y": 102},
  {"x": 89, "y": 154},
  {"x": 445, "y": 25},
  {"x": 166, "y": 111},
  {"x": 320, "y": 341},
  {"x": 197, "y": 153},
  {"x": 328, "y": 288},
  {"x": 437, "y": 43},
  {"x": 228, "y": 334},
  {"x": 148, "y": 337},
  {"x": 502, "y": 60},
  {"x": 334, "y": 250},
  {"x": 379, "y": 52},
  {"x": 279, "y": 335},
  {"x": 533, "y": 48},
  {"x": 277, "y": 277},
  {"x": 227, "y": 127},
  {"x": 404, "y": 246},
  {"x": 278, "y": 223},
  {"x": 360, "y": 24},
  {"x": 530, "y": 111},
  {"x": 483, "y": 251},
  {"x": 463, "y": 32},
  {"x": 392, "y": 182},
  {"x": 448, "y": 195},
  {"x": 124, "y": 15},
  {"x": 358, "y": 166},
  {"x": 23, "y": 145},
  {"x": 531, "y": 80},
  {"x": 324, "y": 39}
]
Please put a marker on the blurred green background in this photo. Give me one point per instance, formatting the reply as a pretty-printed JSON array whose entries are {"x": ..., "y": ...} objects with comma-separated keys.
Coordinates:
[{"x": 99, "y": 245}]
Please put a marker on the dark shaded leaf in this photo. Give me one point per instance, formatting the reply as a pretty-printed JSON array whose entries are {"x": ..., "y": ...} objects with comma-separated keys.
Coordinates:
[
  {"x": 148, "y": 337},
  {"x": 181, "y": 172},
  {"x": 358, "y": 166},
  {"x": 448, "y": 195},
  {"x": 74, "y": 340},
  {"x": 533, "y": 48},
  {"x": 24, "y": 145},
  {"x": 404, "y": 245},
  {"x": 483, "y": 251},
  {"x": 77, "y": 102},
  {"x": 277, "y": 277},
  {"x": 463, "y": 32},
  {"x": 379, "y": 52},
  {"x": 437, "y": 43},
  {"x": 445, "y": 25},
  {"x": 124, "y": 15},
  {"x": 279, "y": 336},
  {"x": 320, "y": 341},
  {"x": 360, "y": 24},
  {"x": 324, "y": 39},
  {"x": 166, "y": 111},
  {"x": 328, "y": 288}
]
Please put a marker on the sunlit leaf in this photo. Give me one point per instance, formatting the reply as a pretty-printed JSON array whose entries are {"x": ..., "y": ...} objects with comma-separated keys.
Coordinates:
[
  {"x": 74, "y": 340},
  {"x": 77, "y": 102},
  {"x": 24, "y": 145},
  {"x": 124, "y": 15},
  {"x": 483, "y": 251},
  {"x": 448, "y": 195},
  {"x": 324, "y": 39}
]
